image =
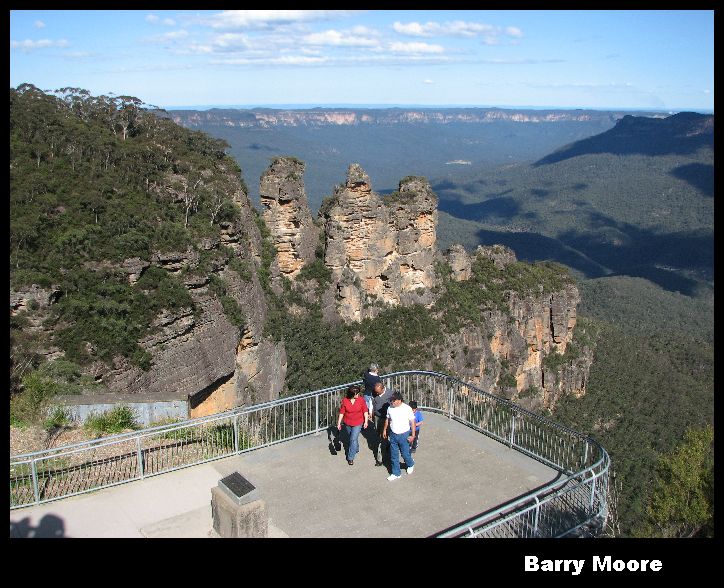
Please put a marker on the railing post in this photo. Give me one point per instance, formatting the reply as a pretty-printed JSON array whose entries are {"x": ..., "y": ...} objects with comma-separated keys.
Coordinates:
[
  {"x": 585, "y": 455},
  {"x": 139, "y": 455},
  {"x": 536, "y": 517},
  {"x": 36, "y": 492},
  {"x": 450, "y": 401},
  {"x": 512, "y": 430},
  {"x": 593, "y": 489},
  {"x": 236, "y": 433},
  {"x": 316, "y": 414}
]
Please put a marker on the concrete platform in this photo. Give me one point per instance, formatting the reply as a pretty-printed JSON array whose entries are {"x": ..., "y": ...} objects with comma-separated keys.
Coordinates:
[{"x": 309, "y": 492}]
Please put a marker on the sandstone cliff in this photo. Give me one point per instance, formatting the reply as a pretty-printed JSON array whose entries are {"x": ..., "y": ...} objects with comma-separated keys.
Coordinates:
[
  {"x": 287, "y": 215},
  {"x": 200, "y": 355},
  {"x": 380, "y": 250},
  {"x": 270, "y": 117},
  {"x": 508, "y": 354}
]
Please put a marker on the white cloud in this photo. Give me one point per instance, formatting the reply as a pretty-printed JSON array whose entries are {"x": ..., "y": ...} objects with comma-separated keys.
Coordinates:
[
  {"x": 39, "y": 24},
  {"x": 467, "y": 29},
  {"x": 456, "y": 28},
  {"x": 338, "y": 38},
  {"x": 231, "y": 42},
  {"x": 514, "y": 32},
  {"x": 413, "y": 29},
  {"x": 31, "y": 45},
  {"x": 169, "y": 22},
  {"x": 152, "y": 18},
  {"x": 171, "y": 36},
  {"x": 428, "y": 81},
  {"x": 283, "y": 60},
  {"x": 415, "y": 47},
  {"x": 232, "y": 19},
  {"x": 78, "y": 54}
]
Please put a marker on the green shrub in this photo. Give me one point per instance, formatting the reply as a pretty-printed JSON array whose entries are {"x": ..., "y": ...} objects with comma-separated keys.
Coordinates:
[
  {"x": 27, "y": 405},
  {"x": 241, "y": 267},
  {"x": 116, "y": 420},
  {"x": 507, "y": 380},
  {"x": 58, "y": 417}
]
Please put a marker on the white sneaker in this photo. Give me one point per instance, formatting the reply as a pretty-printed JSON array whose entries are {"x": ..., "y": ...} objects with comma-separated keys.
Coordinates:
[
  {"x": 410, "y": 470},
  {"x": 393, "y": 477}
]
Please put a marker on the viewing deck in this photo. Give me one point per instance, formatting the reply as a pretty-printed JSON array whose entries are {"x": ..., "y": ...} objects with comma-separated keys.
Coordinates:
[
  {"x": 309, "y": 492},
  {"x": 484, "y": 468}
]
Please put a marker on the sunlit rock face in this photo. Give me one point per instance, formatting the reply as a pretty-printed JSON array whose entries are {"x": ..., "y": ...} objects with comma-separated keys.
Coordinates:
[
  {"x": 286, "y": 213},
  {"x": 380, "y": 249}
]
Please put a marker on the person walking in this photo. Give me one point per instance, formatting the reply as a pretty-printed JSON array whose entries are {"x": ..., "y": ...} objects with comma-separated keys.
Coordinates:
[
  {"x": 419, "y": 421},
  {"x": 400, "y": 429},
  {"x": 370, "y": 378},
  {"x": 380, "y": 404},
  {"x": 355, "y": 414}
]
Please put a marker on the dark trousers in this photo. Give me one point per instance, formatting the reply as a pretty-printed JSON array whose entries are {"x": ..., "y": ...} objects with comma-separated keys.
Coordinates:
[
  {"x": 381, "y": 446},
  {"x": 413, "y": 447}
]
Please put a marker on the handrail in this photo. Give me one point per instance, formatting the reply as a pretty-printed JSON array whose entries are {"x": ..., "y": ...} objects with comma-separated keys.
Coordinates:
[{"x": 52, "y": 474}]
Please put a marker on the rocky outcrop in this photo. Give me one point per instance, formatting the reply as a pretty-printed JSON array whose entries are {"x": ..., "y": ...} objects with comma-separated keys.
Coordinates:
[
  {"x": 507, "y": 354},
  {"x": 459, "y": 262},
  {"x": 287, "y": 215},
  {"x": 201, "y": 356},
  {"x": 380, "y": 251},
  {"x": 500, "y": 254},
  {"x": 32, "y": 298}
]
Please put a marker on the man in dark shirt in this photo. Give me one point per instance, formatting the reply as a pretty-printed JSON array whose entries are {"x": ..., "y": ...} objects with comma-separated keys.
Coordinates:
[
  {"x": 380, "y": 404},
  {"x": 370, "y": 378}
]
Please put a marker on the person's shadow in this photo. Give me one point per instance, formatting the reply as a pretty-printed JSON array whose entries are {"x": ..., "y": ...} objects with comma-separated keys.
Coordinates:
[
  {"x": 49, "y": 526},
  {"x": 374, "y": 440}
]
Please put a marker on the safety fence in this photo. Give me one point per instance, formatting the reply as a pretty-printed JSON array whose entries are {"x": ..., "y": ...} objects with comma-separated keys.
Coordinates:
[{"x": 576, "y": 498}]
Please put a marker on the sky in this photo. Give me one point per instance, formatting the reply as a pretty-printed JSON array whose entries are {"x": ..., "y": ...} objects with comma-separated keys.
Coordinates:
[{"x": 650, "y": 59}]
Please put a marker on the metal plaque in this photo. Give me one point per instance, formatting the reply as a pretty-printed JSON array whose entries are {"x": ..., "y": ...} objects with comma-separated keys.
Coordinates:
[{"x": 238, "y": 488}]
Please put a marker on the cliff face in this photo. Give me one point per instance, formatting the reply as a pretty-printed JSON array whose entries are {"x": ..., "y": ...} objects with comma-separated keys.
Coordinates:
[
  {"x": 287, "y": 215},
  {"x": 508, "y": 353},
  {"x": 203, "y": 356},
  {"x": 380, "y": 250},
  {"x": 200, "y": 356},
  {"x": 268, "y": 117}
]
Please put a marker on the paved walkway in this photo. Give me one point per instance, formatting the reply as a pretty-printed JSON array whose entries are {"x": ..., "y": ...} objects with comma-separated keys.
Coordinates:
[{"x": 309, "y": 492}]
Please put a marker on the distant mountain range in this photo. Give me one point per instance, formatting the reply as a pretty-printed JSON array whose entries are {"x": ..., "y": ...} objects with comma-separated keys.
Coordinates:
[
  {"x": 271, "y": 117},
  {"x": 390, "y": 142}
]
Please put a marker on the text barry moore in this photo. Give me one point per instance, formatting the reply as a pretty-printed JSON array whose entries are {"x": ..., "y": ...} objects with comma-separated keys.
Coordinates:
[{"x": 598, "y": 564}]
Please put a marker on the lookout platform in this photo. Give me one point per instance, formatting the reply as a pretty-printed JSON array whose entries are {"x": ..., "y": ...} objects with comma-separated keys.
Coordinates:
[{"x": 310, "y": 493}]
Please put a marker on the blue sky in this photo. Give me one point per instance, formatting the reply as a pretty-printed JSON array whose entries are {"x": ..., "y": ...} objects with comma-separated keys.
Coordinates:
[{"x": 653, "y": 60}]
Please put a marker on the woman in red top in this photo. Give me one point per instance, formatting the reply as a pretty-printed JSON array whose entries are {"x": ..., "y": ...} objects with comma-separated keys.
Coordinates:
[{"x": 355, "y": 414}]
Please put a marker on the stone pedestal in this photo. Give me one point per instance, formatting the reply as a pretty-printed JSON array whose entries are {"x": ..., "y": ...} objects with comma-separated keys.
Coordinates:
[{"x": 234, "y": 520}]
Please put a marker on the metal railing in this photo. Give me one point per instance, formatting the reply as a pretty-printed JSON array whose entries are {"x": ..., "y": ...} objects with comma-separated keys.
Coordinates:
[{"x": 576, "y": 498}]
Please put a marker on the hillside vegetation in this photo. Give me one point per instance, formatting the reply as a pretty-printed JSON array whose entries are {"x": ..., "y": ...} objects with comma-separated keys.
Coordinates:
[{"x": 95, "y": 181}]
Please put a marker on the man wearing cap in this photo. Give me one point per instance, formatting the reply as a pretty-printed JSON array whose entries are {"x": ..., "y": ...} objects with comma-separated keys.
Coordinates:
[{"x": 400, "y": 430}]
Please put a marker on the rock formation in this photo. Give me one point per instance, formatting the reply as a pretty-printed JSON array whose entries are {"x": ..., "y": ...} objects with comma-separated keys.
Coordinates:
[
  {"x": 286, "y": 213},
  {"x": 508, "y": 352},
  {"x": 380, "y": 250},
  {"x": 201, "y": 356}
]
